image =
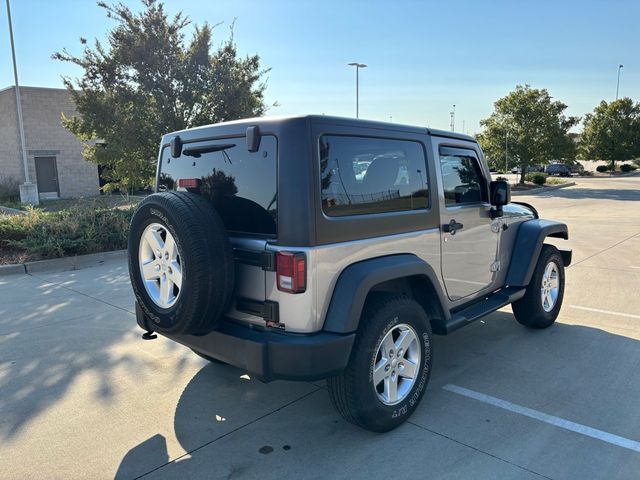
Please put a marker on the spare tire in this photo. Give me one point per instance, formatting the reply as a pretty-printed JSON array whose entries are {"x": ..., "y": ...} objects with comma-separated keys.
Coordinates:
[{"x": 180, "y": 263}]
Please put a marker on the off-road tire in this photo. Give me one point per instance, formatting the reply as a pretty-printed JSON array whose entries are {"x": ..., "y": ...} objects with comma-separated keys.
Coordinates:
[
  {"x": 529, "y": 310},
  {"x": 352, "y": 392},
  {"x": 206, "y": 262}
]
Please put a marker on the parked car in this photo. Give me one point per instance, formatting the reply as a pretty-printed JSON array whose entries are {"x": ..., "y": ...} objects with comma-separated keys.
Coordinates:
[
  {"x": 575, "y": 167},
  {"x": 272, "y": 246},
  {"x": 535, "y": 168},
  {"x": 558, "y": 169}
]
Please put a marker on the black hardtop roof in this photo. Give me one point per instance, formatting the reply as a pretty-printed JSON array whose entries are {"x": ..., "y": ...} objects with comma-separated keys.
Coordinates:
[{"x": 269, "y": 122}]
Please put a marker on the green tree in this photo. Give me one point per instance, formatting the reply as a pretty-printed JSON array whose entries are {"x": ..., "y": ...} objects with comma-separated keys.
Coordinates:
[
  {"x": 531, "y": 126},
  {"x": 148, "y": 81},
  {"x": 612, "y": 132}
]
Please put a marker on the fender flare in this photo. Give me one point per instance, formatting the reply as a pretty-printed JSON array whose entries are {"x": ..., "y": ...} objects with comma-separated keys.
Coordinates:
[
  {"x": 356, "y": 281},
  {"x": 527, "y": 247}
]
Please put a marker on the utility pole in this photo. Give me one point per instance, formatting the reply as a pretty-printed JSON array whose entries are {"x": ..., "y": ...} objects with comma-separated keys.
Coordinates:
[
  {"x": 358, "y": 67},
  {"x": 453, "y": 118},
  {"x": 506, "y": 148},
  {"x": 618, "y": 84},
  {"x": 28, "y": 190}
]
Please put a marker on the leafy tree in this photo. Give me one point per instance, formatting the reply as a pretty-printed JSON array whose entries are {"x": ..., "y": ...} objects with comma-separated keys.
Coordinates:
[
  {"x": 149, "y": 81},
  {"x": 532, "y": 125},
  {"x": 612, "y": 132}
]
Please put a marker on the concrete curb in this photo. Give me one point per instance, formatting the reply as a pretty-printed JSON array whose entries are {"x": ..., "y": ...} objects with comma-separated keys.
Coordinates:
[
  {"x": 12, "y": 211},
  {"x": 62, "y": 264},
  {"x": 542, "y": 189}
]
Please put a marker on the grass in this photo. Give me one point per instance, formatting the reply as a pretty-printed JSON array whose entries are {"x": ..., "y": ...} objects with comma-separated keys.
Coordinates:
[{"x": 78, "y": 227}]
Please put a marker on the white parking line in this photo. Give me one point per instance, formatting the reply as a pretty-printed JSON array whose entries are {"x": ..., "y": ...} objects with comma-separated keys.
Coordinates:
[
  {"x": 608, "y": 312},
  {"x": 550, "y": 419}
]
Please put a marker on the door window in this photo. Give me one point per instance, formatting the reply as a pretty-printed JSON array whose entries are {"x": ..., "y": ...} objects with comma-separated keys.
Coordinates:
[{"x": 462, "y": 179}]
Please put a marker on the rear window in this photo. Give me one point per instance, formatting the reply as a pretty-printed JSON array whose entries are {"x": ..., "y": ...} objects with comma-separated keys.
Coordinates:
[
  {"x": 364, "y": 175},
  {"x": 241, "y": 184}
]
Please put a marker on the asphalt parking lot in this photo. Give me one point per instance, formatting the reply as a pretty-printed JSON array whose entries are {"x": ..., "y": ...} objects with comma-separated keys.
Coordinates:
[{"x": 82, "y": 396}]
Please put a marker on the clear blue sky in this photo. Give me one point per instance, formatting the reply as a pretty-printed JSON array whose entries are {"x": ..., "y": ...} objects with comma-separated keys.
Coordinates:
[{"x": 422, "y": 56}]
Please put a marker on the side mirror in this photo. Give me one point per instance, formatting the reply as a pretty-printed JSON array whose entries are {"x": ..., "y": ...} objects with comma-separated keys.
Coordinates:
[
  {"x": 176, "y": 147},
  {"x": 499, "y": 196}
]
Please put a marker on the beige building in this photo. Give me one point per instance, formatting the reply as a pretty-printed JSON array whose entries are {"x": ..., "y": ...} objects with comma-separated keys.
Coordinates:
[{"x": 54, "y": 154}]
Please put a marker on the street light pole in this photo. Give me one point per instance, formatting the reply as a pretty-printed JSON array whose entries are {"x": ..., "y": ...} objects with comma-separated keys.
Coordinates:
[
  {"x": 506, "y": 147},
  {"x": 453, "y": 118},
  {"x": 618, "y": 84},
  {"x": 28, "y": 191},
  {"x": 358, "y": 67}
]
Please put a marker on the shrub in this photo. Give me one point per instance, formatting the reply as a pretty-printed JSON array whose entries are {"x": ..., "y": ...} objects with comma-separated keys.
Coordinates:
[
  {"x": 586, "y": 173},
  {"x": 602, "y": 168},
  {"x": 77, "y": 230},
  {"x": 501, "y": 179},
  {"x": 627, "y": 167},
  {"x": 9, "y": 191},
  {"x": 538, "y": 178},
  {"x": 555, "y": 181}
]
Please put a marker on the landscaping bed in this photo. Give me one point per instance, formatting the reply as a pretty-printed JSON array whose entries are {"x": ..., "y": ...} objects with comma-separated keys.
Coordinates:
[{"x": 66, "y": 227}]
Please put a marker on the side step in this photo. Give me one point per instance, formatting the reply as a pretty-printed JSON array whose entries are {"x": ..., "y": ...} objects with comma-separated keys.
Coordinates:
[{"x": 484, "y": 307}]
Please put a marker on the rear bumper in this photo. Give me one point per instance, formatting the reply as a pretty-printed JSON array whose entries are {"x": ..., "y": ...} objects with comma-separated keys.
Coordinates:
[{"x": 270, "y": 355}]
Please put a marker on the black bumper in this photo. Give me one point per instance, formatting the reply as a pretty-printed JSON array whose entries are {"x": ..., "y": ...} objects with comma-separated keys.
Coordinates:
[{"x": 270, "y": 355}]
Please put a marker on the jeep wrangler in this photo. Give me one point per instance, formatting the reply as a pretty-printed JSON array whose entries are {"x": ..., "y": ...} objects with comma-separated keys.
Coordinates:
[{"x": 314, "y": 247}]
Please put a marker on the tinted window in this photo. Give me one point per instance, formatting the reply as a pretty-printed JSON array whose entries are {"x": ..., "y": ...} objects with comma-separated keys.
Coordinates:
[
  {"x": 461, "y": 179},
  {"x": 362, "y": 175},
  {"x": 241, "y": 184}
]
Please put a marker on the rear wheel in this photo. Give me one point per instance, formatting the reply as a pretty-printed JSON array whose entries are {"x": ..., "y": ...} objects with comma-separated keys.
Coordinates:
[
  {"x": 542, "y": 301},
  {"x": 389, "y": 368}
]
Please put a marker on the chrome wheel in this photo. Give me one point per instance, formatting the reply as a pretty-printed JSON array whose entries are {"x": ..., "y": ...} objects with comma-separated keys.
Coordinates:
[
  {"x": 396, "y": 364},
  {"x": 550, "y": 287},
  {"x": 160, "y": 265}
]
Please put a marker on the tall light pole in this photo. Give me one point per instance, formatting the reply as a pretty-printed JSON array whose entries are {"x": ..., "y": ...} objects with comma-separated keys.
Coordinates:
[
  {"x": 506, "y": 148},
  {"x": 618, "y": 84},
  {"x": 28, "y": 191},
  {"x": 358, "y": 67},
  {"x": 453, "y": 118}
]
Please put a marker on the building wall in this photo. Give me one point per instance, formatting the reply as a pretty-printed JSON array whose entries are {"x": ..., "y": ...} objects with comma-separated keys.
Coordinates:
[
  {"x": 10, "y": 160},
  {"x": 42, "y": 110}
]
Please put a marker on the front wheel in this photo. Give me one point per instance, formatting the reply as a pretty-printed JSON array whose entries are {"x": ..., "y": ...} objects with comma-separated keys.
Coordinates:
[
  {"x": 389, "y": 368},
  {"x": 541, "y": 303}
]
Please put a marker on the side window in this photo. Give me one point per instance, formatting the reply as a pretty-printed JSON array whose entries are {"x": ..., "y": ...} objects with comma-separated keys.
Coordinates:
[
  {"x": 462, "y": 179},
  {"x": 364, "y": 175}
]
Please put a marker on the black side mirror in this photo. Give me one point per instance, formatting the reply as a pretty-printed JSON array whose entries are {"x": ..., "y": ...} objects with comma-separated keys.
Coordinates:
[
  {"x": 499, "y": 196},
  {"x": 253, "y": 138},
  {"x": 176, "y": 147}
]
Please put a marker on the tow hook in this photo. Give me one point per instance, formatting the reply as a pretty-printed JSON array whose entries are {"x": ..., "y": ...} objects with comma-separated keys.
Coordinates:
[{"x": 149, "y": 335}]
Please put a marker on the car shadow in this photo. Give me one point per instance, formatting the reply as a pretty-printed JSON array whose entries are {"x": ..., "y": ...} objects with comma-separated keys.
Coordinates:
[{"x": 487, "y": 345}]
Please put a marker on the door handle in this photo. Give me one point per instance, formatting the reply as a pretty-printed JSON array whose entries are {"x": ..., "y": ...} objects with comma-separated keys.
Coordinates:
[{"x": 452, "y": 227}]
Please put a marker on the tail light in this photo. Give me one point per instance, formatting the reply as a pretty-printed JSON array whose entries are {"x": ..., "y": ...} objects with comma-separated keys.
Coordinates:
[{"x": 291, "y": 272}]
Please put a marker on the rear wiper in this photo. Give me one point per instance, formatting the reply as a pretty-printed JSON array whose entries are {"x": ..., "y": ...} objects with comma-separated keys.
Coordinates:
[{"x": 197, "y": 151}]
